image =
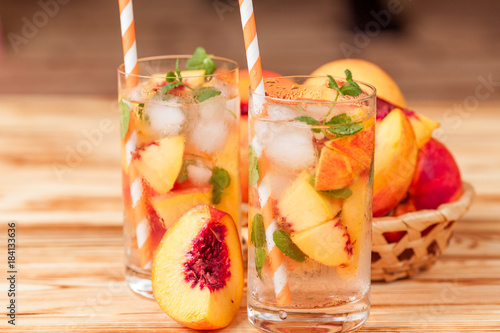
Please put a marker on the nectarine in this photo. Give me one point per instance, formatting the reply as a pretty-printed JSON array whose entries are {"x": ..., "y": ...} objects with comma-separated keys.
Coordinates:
[
  {"x": 368, "y": 72},
  {"x": 437, "y": 177},
  {"x": 197, "y": 273}
]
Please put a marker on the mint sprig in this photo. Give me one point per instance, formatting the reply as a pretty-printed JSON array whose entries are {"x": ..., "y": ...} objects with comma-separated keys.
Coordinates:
[
  {"x": 285, "y": 244},
  {"x": 174, "y": 79},
  {"x": 201, "y": 60},
  {"x": 220, "y": 180},
  {"x": 258, "y": 238}
]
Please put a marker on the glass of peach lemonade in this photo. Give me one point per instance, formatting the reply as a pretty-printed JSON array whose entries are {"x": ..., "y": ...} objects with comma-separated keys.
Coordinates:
[
  {"x": 310, "y": 203},
  {"x": 179, "y": 148}
]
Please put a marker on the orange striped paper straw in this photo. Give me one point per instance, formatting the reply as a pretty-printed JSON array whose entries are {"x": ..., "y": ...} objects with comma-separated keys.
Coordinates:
[
  {"x": 128, "y": 42},
  {"x": 278, "y": 269}
]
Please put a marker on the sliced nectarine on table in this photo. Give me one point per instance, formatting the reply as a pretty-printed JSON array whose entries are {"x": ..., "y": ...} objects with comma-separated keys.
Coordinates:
[
  {"x": 303, "y": 207},
  {"x": 172, "y": 205},
  {"x": 395, "y": 160},
  {"x": 328, "y": 243},
  {"x": 160, "y": 162},
  {"x": 197, "y": 273}
]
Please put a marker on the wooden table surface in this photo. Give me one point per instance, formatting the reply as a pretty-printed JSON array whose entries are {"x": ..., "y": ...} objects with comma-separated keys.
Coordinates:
[{"x": 60, "y": 183}]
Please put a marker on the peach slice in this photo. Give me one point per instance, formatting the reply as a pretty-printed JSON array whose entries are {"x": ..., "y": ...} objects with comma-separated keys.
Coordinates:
[
  {"x": 328, "y": 243},
  {"x": 335, "y": 169},
  {"x": 395, "y": 160},
  {"x": 193, "y": 78},
  {"x": 303, "y": 207},
  {"x": 172, "y": 205},
  {"x": 197, "y": 273},
  {"x": 359, "y": 146},
  {"x": 437, "y": 177},
  {"x": 160, "y": 162},
  {"x": 354, "y": 216},
  {"x": 422, "y": 126}
]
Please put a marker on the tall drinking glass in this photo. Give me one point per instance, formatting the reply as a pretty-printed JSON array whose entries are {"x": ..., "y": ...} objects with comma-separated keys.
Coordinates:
[
  {"x": 179, "y": 149},
  {"x": 310, "y": 204}
]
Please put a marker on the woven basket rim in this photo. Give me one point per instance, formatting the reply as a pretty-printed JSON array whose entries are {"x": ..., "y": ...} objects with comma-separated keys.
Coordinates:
[{"x": 451, "y": 211}]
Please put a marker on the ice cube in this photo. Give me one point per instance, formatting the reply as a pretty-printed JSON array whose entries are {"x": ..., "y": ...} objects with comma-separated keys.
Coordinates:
[
  {"x": 212, "y": 108},
  {"x": 282, "y": 112},
  {"x": 317, "y": 111},
  {"x": 208, "y": 136},
  {"x": 198, "y": 174},
  {"x": 165, "y": 119},
  {"x": 291, "y": 148},
  {"x": 279, "y": 181}
]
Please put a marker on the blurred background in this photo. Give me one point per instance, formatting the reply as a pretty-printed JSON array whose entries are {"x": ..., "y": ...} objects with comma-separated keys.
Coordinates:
[{"x": 435, "y": 50}]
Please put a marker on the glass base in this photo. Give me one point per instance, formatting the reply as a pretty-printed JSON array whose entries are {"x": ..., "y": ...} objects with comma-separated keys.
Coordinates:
[
  {"x": 344, "y": 318},
  {"x": 139, "y": 281}
]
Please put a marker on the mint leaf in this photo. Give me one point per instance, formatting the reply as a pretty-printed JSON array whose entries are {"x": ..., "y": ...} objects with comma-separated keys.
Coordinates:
[
  {"x": 166, "y": 88},
  {"x": 258, "y": 235},
  {"x": 140, "y": 110},
  {"x": 124, "y": 118},
  {"x": 339, "y": 120},
  {"x": 220, "y": 180},
  {"x": 170, "y": 77},
  {"x": 201, "y": 60},
  {"x": 260, "y": 258},
  {"x": 348, "y": 129},
  {"x": 258, "y": 238},
  {"x": 285, "y": 244},
  {"x": 332, "y": 84},
  {"x": 352, "y": 89},
  {"x": 204, "y": 93},
  {"x": 309, "y": 121},
  {"x": 183, "y": 176},
  {"x": 342, "y": 193},
  {"x": 253, "y": 167}
]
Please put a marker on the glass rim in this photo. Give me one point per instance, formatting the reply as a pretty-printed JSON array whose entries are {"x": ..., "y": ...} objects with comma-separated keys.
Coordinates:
[
  {"x": 311, "y": 101},
  {"x": 121, "y": 67}
]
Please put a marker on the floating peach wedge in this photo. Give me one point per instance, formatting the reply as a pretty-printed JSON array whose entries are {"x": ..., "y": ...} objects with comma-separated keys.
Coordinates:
[
  {"x": 172, "y": 205},
  {"x": 335, "y": 170},
  {"x": 160, "y": 162},
  {"x": 395, "y": 160},
  {"x": 353, "y": 217},
  {"x": 303, "y": 207},
  {"x": 358, "y": 146},
  {"x": 193, "y": 78},
  {"x": 328, "y": 243},
  {"x": 437, "y": 177},
  {"x": 197, "y": 273}
]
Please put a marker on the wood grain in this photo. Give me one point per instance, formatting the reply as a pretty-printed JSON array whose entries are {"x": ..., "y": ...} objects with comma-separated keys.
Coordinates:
[{"x": 70, "y": 253}]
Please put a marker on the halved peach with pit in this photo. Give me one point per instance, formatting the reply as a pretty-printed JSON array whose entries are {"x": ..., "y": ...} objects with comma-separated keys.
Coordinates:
[{"x": 197, "y": 273}]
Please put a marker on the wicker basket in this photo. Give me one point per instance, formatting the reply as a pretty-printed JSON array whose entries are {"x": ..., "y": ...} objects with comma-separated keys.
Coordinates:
[{"x": 426, "y": 235}]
